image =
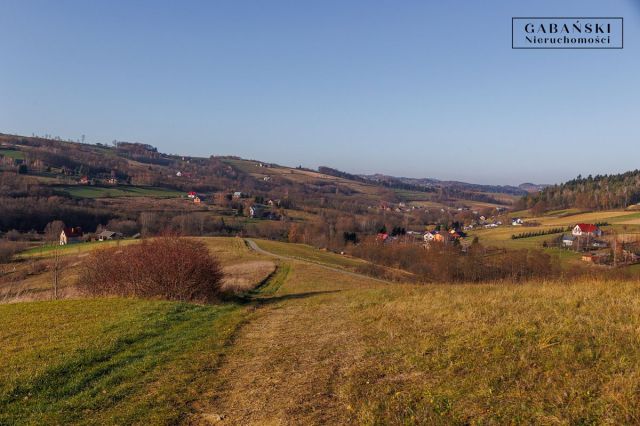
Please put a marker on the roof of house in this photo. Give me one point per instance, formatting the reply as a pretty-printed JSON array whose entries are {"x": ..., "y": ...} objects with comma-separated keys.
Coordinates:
[
  {"x": 568, "y": 238},
  {"x": 107, "y": 234},
  {"x": 587, "y": 227}
]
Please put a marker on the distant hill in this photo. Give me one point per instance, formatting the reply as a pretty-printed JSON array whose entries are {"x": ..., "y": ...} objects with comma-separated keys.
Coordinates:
[
  {"x": 43, "y": 180},
  {"x": 433, "y": 184},
  {"x": 598, "y": 192},
  {"x": 532, "y": 187}
]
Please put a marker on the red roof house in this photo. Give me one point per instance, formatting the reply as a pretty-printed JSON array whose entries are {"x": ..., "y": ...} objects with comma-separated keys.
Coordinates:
[
  {"x": 71, "y": 235},
  {"x": 586, "y": 229}
]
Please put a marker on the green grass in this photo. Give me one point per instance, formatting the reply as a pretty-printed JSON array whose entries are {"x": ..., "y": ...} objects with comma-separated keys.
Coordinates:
[
  {"x": 75, "y": 248},
  {"x": 84, "y": 191},
  {"x": 12, "y": 153},
  {"x": 108, "y": 361}
]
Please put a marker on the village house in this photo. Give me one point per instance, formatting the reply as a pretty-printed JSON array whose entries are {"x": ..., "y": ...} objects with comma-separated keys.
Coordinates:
[
  {"x": 456, "y": 234},
  {"x": 568, "y": 240},
  {"x": 382, "y": 236},
  {"x": 256, "y": 211},
  {"x": 112, "y": 181},
  {"x": 237, "y": 195},
  {"x": 192, "y": 194},
  {"x": 71, "y": 235},
  {"x": 84, "y": 180},
  {"x": 597, "y": 258},
  {"x": 586, "y": 230},
  {"x": 430, "y": 236},
  {"x": 107, "y": 235},
  {"x": 197, "y": 200},
  {"x": 516, "y": 221}
]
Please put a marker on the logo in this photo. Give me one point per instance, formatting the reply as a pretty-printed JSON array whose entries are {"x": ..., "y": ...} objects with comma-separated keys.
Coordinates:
[{"x": 567, "y": 33}]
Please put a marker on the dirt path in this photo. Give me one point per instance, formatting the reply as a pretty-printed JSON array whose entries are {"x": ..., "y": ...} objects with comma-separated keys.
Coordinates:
[
  {"x": 253, "y": 246},
  {"x": 290, "y": 362}
]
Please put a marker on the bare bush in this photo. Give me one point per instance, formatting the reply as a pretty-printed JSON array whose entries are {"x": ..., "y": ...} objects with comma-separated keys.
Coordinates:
[
  {"x": 164, "y": 268},
  {"x": 8, "y": 249}
]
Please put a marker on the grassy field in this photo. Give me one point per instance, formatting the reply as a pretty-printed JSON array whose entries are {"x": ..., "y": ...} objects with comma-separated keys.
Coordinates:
[
  {"x": 591, "y": 217},
  {"x": 48, "y": 250},
  {"x": 312, "y": 254},
  {"x": 360, "y": 352},
  {"x": 243, "y": 268},
  {"x": 318, "y": 346},
  {"x": 108, "y": 361},
  {"x": 85, "y": 191},
  {"x": 12, "y": 153}
]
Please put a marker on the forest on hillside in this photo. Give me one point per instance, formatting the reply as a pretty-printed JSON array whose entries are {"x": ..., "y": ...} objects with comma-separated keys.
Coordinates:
[{"x": 600, "y": 192}]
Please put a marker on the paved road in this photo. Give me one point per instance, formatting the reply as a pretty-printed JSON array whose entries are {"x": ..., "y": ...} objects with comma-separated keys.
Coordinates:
[{"x": 253, "y": 246}]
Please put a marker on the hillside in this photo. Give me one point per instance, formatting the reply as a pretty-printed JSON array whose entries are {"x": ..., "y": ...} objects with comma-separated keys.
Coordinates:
[
  {"x": 600, "y": 192},
  {"x": 321, "y": 346},
  {"x": 132, "y": 187}
]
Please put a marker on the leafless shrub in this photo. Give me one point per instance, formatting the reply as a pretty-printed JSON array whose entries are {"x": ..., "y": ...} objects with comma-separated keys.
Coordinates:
[
  {"x": 8, "y": 249},
  {"x": 164, "y": 268}
]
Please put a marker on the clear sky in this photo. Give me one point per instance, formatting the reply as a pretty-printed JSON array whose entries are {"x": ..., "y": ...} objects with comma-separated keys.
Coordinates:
[{"x": 409, "y": 88}]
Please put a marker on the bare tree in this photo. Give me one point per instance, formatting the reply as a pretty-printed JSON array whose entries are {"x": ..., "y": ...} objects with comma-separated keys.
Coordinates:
[
  {"x": 53, "y": 229},
  {"x": 55, "y": 270}
]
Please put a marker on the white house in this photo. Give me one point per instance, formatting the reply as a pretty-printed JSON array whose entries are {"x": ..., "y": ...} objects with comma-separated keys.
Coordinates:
[
  {"x": 586, "y": 230},
  {"x": 429, "y": 236},
  {"x": 568, "y": 240},
  {"x": 256, "y": 211},
  {"x": 516, "y": 222}
]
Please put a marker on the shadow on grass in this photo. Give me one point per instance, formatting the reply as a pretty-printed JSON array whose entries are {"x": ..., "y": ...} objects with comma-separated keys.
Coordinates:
[{"x": 294, "y": 296}]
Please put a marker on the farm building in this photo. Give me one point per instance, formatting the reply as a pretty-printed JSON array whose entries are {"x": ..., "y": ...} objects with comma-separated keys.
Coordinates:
[
  {"x": 568, "y": 240},
  {"x": 382, "y": 236},
  {"x": 70, "y": 235},
  {"x": 598, "y": 258},
  {"x": 586, "y": 230},
  {"x": 107, "y": 235},
  {"x": 430, "y": 236},
  {"x": 257, "y": 211}
]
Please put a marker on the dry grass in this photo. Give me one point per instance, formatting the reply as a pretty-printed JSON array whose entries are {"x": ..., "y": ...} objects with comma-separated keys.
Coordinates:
[
  {"x": 243, "y": 277},
  {"x": 591, "y": 217},
  {"x": 30, "y": 277},
  {"x": 327, "y": 347},
  {"x": 336, "y": 349}
]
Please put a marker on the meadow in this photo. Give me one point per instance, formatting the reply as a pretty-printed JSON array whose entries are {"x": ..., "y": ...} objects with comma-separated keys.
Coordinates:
[
  {"x": 320, "y": 346},
  {"x": 86, "y": 191}
]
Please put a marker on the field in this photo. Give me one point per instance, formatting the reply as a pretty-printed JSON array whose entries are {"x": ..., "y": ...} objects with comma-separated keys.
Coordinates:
[
  {"x": 108, "y": 361},
  {"x": 12, "y": 153},
  {"x": 85, "y": 191},
  {"x": 30, "y": 277},
  {"x": 318, "y": 346}
]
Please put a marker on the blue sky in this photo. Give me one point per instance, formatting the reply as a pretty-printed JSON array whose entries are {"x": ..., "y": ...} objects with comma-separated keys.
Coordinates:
[{"x": 420, "y": 89}]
